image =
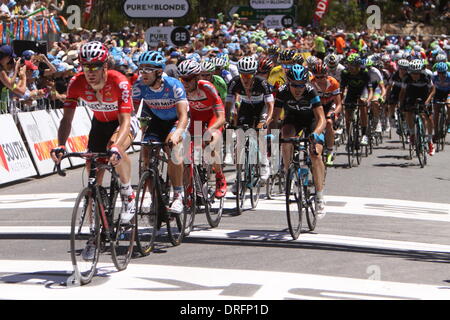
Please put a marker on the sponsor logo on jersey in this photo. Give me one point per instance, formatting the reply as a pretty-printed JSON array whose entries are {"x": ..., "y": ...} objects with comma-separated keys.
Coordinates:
[{"x": 103, "y": 107}]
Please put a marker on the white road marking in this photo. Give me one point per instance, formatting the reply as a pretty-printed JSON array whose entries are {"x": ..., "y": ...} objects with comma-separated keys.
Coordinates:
[
  {"x": 40, "y": 280},
  {"x": 264, "y": 236},
  {"x": 336, "y": 204}
]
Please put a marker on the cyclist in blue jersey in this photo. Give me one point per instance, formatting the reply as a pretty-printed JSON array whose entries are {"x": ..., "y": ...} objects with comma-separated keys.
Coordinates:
[
  {"x": 441, "y": 82},
  {"x": 164, "y": 100}
]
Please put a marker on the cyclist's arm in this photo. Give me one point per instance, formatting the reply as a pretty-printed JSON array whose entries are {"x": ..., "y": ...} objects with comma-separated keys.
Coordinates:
[
  {"x": 431, "y": 95},
  {"x": 267, "y": 112},
  {"x": 338, "y": 102},
  {"x": 65, "y": 126},
  {"x": 182, "y": 113},
  {"x": 320, "y": 119},
  {"x": 383, "y": 90},
  {"x": 230, "y": 101}
]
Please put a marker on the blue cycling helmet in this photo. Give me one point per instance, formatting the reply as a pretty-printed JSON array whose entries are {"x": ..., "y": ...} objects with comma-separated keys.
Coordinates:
[
  {"x": 441, "y": 67},
  {"x": 153, "y": 58},
  {"x": 298, "y": 73}
]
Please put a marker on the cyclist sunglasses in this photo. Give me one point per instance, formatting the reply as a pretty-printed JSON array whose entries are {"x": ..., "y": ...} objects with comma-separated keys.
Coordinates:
[
  {"x": 247, "y": 76},
  {"x": 297, "y": 85},
  {"x": 93, "y": 67},
  {"x": 188, "y": 79},
  {"x": 148, "y": 70}
]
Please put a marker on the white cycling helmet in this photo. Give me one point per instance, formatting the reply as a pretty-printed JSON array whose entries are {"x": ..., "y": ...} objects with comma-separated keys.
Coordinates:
[
  {"x": 219, "y": 62},
  {"x": 403, "y": 64},
  {"x": 441, "y": 57},
  {"x": 247, "y": 65},
  {"x": 208, "y": 66},
  {"x": 331, "y": 60},
  {"x": 189, "y": 67},
  {"x": 311, "y": 61},
  {"x": 416, "y": 65},
  {"x": 386, "y": 58}
]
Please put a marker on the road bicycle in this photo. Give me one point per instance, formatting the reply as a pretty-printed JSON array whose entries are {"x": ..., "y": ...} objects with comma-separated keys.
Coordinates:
[
  {"x": 300, "y": 189},
  {"x": 420, "y": 142},
  {"x": 152, "y": 202},
  {"x": 96, "y": 223},
  {"x": 354, "y": 147},
  {"x": 202, "y": 184},
  {"x": 441, "y": 133},
  {"x": 248, "y": 175}
]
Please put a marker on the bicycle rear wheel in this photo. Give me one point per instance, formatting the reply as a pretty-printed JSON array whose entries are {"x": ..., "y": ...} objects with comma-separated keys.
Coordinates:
[
  {"x": 420, "y": 144},
  {"x": 240, "y": 185},
  {"x": 254, "y": 180},
  {"x": 294, "y": 204},
  {"x": 147, "y": 204},
  {"x": 215, "y": 205},
  {"x": 85, "y": 232},
  {"x": 350, "y": 147},
  {"x": 357, "y": 144},
  {"x": 311, "y": 217},
  {"x": 122, "y": 236}
]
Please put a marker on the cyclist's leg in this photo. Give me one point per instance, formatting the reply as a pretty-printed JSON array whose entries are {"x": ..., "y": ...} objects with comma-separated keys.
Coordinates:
[
  {"x": 329, "y": 136},
  {"x": 288, "y": 130}
]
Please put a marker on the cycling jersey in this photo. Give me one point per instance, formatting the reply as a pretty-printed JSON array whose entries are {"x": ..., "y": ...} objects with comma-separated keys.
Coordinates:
[
  {"x": 299, "y": 113},
  {"x": 253, "y": 107},
  {"x": 160, "y": 103},
  {"x": 332, "y": 89},
  {"x": 277, "y": 77},
  {"x": 336, "y": 72},
  {"x": 226, "y": 75},
  {"x": 396, "y": 85},
  {"x": 204, "y": 105},
  {"x": 260, "y": 92},
  {"x": 416, "y": 89},
  {"x": 442, "y": 87},
  {"x": 115, "y": 96},
  {"x": 356, "y": 84},
  {"x": 221, "y": 86}
]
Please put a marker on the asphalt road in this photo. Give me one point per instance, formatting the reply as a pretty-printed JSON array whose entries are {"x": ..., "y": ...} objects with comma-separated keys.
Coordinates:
[{"x": 386, "y": 235}]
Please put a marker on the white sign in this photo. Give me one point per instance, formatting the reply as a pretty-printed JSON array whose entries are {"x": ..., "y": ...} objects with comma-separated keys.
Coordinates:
[
  {"x": 156, "y": 8},
  {"x": 42, "y": 137},
  {"x": 15, "y": 162},
  {"x": 154, "y": 35},
  {"x": 271, "y": 4},
  {"x": 273, "y": 21}
]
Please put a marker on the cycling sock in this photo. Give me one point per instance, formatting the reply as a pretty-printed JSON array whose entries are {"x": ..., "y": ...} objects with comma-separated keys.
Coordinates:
[
  {"x": 178, "y": 191},
  {"x": 126, "y": 189},
  {"x": 319, "y": 195}
]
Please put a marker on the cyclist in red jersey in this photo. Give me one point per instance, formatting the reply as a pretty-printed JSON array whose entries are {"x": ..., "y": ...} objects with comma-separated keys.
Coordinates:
[
  {"x": 206, "y": 112},
  {"x": 108, "y": 94}
]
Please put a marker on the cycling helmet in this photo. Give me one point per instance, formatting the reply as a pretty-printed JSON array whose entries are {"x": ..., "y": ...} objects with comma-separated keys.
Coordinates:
[
  {"x": 441, "y": 67},
  {"x": 154, "y": 58},
  {"x": 318, "y": 68},
  {"x": 265, "y": 64},
  {"x": 416, "y": 65},
  {"x": 331, "y": 60},
  {"x": 194, "y": 56},
  {"x": 298, "y": 73},
  {"x": 247, "y": 65},
  {"x": 93, "y": 52},
  {"x": 311, "y": 60},
  {"x": 403, "y": 64},
  {"x": 219, "y": 62},
  {"x": 208, "y": 66},
  {"x": 273, "y": 51},
  {"x": 354, "y": 59},
  {"x": 441, "y": 57},
  {"x": 298, "y": 59},
  {"x": 385, "y": 58},
  {"x": 189, "y": 67},
  {"x": 287, "y": 55}
]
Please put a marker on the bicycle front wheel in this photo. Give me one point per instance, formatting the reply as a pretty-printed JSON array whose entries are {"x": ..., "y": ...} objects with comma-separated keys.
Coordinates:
[
  {"x": 420, "y": 143},
  {"x": 294, "y": 205},
  {"x": 176, "y": 223},
  {"x": 146, "y": 214},
  {"x": 255, "y": 184},
  {"x": 215, "y": 205},
  {"x": 85, "y": 232}
]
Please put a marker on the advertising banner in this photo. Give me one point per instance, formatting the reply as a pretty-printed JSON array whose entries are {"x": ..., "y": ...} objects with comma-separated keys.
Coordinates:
[
  {"x": 15, "y": 162},
  {"x": 321, "y": 9},
  {"x": 156, "y": 8},
  {"x": 271, "y": 4}
]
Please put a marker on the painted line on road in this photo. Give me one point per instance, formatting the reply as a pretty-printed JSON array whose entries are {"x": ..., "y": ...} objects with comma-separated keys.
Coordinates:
[
  {"x": 41, "y": 280},
  {"x": 260, "y": 236}
]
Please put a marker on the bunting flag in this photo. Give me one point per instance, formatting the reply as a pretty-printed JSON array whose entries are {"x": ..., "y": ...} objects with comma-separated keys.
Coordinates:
[
  {"x": 39, "y": 30},
  {"x": 26, "y": 28},
  {"x": 55, "y": 26},
  {"x": 35, "y": 29},
  {"x": 22, "y": 27},
  {"x": 45, "y": 26},
  {"x": 64, "y": 21},
  {"x": 2, "y": 34},
  {"x": 14, "y": 29}
]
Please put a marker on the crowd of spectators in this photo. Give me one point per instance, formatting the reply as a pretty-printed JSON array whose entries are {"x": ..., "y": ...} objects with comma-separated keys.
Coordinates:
[{"x": 37, "y": 81}]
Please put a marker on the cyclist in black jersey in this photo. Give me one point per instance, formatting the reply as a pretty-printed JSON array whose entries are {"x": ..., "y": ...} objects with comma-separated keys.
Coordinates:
[
  {"x": 257, "y": 101},
  {"x": 394, "y": 87},
  {"x": 303, "y": 111},
  {"x": 359, "y": 90},
  {"x": 417, "y": 85}
]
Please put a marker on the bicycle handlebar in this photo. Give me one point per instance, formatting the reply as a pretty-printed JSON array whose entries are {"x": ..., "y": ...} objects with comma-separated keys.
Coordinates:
[{"x": 84, "y": 155}]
